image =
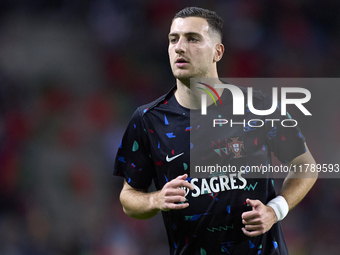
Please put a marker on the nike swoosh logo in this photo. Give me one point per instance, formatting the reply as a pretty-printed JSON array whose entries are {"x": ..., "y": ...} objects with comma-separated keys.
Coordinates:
[{"x": 172, "y": 158}]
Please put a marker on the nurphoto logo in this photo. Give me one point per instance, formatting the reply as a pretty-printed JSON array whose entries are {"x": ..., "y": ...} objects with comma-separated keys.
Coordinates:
[{"x": 239, "y": 104}]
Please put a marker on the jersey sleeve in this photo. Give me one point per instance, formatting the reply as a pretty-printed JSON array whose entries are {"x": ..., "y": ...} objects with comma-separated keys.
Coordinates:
[
  {"x": 283, "y": 135},
  {"x": 133, "y": 160}
]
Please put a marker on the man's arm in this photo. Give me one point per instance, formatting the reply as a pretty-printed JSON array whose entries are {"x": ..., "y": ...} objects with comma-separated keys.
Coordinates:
[
  {"x": 140, "y": 204},
  {"x": 297, "y": 184},
  {"x": 295, "y": 187}
]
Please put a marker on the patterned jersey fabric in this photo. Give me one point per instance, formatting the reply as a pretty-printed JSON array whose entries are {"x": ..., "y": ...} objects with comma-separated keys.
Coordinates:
[{"x": 157, "y": 145}]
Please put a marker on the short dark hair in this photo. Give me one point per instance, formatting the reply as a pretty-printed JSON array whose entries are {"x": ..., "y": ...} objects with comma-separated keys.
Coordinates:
[{"x": 215, "y": 22}]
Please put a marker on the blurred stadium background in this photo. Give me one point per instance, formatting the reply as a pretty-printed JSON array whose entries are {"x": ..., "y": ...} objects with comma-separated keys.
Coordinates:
[{"x": 73, "y": 71}]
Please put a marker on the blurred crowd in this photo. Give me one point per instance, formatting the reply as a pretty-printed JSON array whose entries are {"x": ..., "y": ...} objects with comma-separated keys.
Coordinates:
[{"x": 73, "y": 72}]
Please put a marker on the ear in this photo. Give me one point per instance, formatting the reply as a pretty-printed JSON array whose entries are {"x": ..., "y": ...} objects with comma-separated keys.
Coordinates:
[{"x": 219, "y": 50}]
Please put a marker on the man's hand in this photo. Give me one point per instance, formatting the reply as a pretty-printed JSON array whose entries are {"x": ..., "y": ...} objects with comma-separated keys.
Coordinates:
[
  {"x": 171, "y": 196},
  {"x": 259, "y": 220}
]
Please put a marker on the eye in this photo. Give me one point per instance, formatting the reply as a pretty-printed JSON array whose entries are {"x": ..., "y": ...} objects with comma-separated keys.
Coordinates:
[
  {"x": 173, "y": 40},
  {"x": 193, "y": 39}
]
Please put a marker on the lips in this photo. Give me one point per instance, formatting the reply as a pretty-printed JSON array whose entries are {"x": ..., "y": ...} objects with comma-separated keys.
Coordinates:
[{"x": 180, "y": 62}]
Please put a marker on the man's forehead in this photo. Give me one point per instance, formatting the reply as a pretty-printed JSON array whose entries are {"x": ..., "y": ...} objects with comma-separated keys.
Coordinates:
[{"x": 189, "y": 24}]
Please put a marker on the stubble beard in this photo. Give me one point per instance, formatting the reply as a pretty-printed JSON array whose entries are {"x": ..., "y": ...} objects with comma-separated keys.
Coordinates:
[{"x": 185, "y": 78}]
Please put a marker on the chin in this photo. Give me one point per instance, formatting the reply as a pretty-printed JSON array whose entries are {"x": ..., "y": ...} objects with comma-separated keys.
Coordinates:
[{"x": 183, "y": 75}]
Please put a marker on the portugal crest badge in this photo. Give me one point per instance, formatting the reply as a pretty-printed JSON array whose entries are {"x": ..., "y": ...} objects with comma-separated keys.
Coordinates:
[{"x": 236, "y": 146}]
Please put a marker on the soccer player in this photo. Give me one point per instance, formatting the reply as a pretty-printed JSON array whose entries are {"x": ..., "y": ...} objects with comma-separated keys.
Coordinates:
[{"x": 226, "y": 214}]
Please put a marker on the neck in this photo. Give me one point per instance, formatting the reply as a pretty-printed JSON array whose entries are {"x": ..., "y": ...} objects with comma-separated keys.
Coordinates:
[
  {"x": 182, "y": 94},
  {"x": 191, "y": 97}
]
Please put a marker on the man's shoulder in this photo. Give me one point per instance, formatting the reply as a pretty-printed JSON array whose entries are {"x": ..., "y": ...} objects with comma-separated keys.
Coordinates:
[
  {"x": 150, "y": 106},
  {"x": 144, "y": 109},
  {"x": 260, "y": 99},
  {"x": 256, "y": 94}
]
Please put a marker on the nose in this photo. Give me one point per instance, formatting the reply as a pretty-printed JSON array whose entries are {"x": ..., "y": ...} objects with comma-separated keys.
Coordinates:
[{"x": 180, "y": 46}]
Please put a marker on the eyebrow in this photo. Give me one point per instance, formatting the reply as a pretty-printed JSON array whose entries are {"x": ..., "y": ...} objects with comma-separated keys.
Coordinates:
[{"x": 186, "y": 34}]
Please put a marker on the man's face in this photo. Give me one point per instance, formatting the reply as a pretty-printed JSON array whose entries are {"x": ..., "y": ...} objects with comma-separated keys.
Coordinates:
[{"x": 192, "y": 48}]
